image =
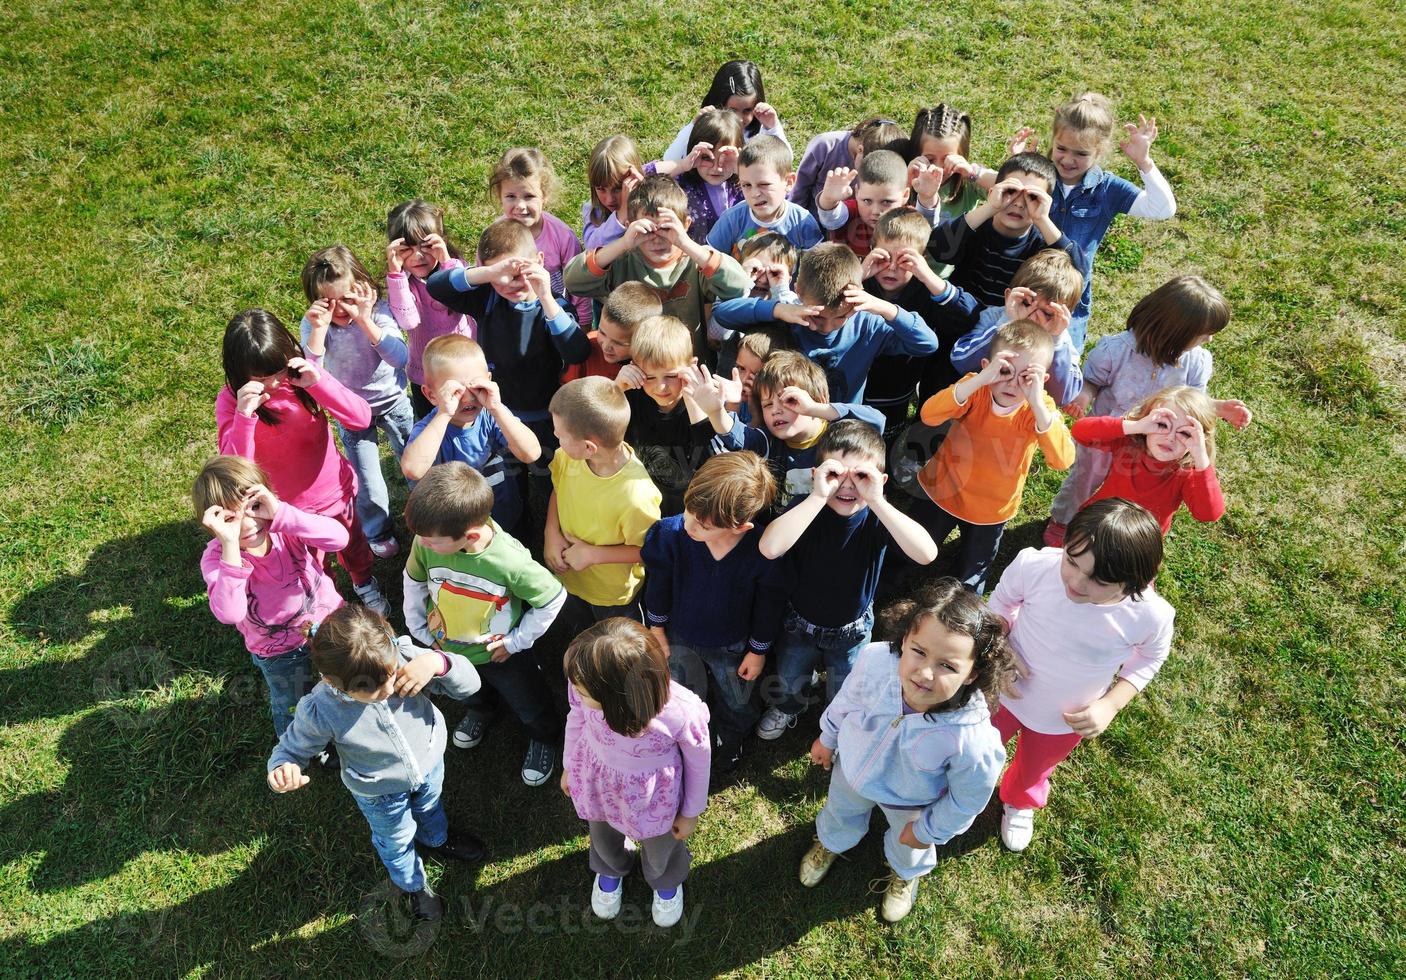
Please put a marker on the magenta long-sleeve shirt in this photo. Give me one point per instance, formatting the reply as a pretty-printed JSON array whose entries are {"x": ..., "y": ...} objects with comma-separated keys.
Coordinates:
[{"x": 422, "y": 317}]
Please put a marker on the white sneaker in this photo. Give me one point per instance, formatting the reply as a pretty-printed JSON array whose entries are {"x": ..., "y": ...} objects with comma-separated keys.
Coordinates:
[
  {"x": 371, "y": 598},
  {"x": 606, "y": 905},
  {"x": 385, "y": 547},
  {"x": 1017, "y": 827},
  {"x": 898, "y": 897},
  {"x": 667, "y": 911},
  {"x": 773, "y": 723}
]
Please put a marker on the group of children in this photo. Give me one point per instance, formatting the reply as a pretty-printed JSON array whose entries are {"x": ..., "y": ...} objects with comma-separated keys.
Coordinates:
[{"x": 693, "y": 417}]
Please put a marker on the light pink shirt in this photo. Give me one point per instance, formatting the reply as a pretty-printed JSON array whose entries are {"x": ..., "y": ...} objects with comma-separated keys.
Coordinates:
[
  {"x": 559, "y": 245},
  {"x": 422, "y": 317},
  {"x": 1074, "y": 650}
]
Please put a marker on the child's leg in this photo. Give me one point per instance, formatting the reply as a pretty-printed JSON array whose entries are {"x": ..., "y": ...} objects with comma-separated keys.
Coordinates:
[
  {"x": 431, "y": 822},
  {"x": 289, "y": 677},
  {"x": 841, "y": 653},
  {"x": 608, "y": 855},
  {"x": 844, "y": 820},
  {"x": 797, "y": 656},
  {"x": 396, "y": 423},
  {"x": 936, "y": 521},
  {"x": 978, "y": 546},
  {"x": 664, "y": 860},
  {"x": 687, "y": 667},
  {"x": 519, "y": 681},
  {"x": 393, "y": 835},
  {"x": 1087, "y": 474},
  {"x": 1026, "y": 784},
  {"x": 908, "y": 862},
  {"x": 734, "y": 708},
  {"x": 356, "y": 557},
  {"x": 363, "y": 450}
]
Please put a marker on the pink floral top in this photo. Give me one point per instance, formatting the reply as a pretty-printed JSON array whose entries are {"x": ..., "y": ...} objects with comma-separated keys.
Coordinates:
[{"x": 639, "y": 785}]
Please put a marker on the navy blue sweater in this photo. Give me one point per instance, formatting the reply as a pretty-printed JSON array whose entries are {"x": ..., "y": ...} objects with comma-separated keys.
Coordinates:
[
  {"x": 984, "y": 261},
  {"x": 833, "y": 570}
]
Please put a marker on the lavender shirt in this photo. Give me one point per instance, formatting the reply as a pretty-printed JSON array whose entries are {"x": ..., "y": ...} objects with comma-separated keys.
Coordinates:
[
  {"x": 824, "y": 153},
  {"x": 422, "y": 317},
  {"x": 706, "y": 202}
]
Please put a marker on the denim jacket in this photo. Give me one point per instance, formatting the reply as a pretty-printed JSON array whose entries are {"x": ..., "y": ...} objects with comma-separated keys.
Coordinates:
[
  {"x": 946, "y": 766},
  {"x": 384, "y": 747}
]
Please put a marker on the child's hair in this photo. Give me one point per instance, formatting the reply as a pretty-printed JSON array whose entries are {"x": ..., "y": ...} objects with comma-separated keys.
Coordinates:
[
  {"x": 770, "y": 150},
  {"x": 631, "y": 303},
  {"x": 1023, "y": 335},
  {"x": 719, "y": 127},
  {"x": 1187, "y": 400},
  {"x": 662, "y": 342},
  {"x": 620, "y": 664},
  {"x": 960, "y": 611},
  {"x": 1126, "y": 541},
  {"x": 449, "y": 500},
  {"x": 1035, "y": 164},
  {"x": 442, "y": 352},
  {"x": 942, "y": 122},
  {"x": 773, "y": 245},
  {"x": 736, "y": 78},
  {"x": 788, "y": 367},
  {"x": 766, "y": 342},
  {"x": 258, "y": 345},
  {"x": 883, "y": 168},
  {"x": 611, "y": 160},
  {"x": 592, "y": 408},
  {"x": 354, "y": 649},
  {"x": 1167, "y": 322},
  {"x": 855, "y": 438},
  {"x": 824, "y": 272},
  {"x": 414, "y": 221},
  {"x": 332, "y": 265},
  {"x": 1088, "y": 117},
  {"x": 657, "y": 193},
  {"x": 1052, "y": 275},
  {"x": 222, "y": 482},
  {"x": 904, "y": 225},
  {"x": 506, "y": 238},
  {"x": 730, "y": 489},
  {"x": 876, "y": 133},
  {"x": 524, "y": 163}
]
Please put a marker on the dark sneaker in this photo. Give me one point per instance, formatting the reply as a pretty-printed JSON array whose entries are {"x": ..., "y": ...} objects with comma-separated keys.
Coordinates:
[
  {"x": 539, "y": 763},
  {"x": 459, "y": 846},
  {"x": 469, "y": 731},
  {"x": 425, "y": 905}
]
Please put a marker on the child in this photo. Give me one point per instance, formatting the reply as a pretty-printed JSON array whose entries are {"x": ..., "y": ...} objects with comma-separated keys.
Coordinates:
[
  {"x": 910, "y": 732},
  {"x": 737, "y": 85},
  {"x": 753, "y": 351},
  {"x": 523, "y": 329},
  {"x": 795, "y": 412},
  {"x": 525, "y": 185},
  {"x": 765, "y": 176},
  {"x": 390, "y": 740},
  {"x": 708, "y": 173},
  {"x": 1076, "y": 616},
  {"x": 417, "y": 249},
  {"x": 942, "y": 137},
  {"x": 714, "y": 603},
  {"x": 656, "y": 250},
  {"x": 1001, "y": 414},
  {"x": 668, "y": 430},
  {"x": 636, "y": 763},
  {"x": 264, "y": 573},
  {"x": 270, "y": 410},
  {"x": 835, "y": 540},
  {"x": 842, "y": 148},
  {"x": 986, "y": 245},
  {"x": 472, "y": 589},
  {"x": 1162, "y": 347},
  {"x": 628, "y": 305},
  {"x": 837, "y": 324},
  {"x": 602, "y": 500},
  {"x": 1088, "y": 198},
  {"x": 1044, "y": 289},
  {"x": 1164, "y": 455},
  {"x": 850, "y": 213},
  {"x": 470, "y": 423},
  {"x": 614, "y": 170},
  {"x": 370, "y": 361},
  {"x": 770, "y": 261}
]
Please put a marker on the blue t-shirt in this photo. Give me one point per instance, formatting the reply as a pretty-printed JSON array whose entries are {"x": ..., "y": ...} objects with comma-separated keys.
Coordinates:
[
  {"x": 484, "y": 447},
  {"x": 737, "y": 225},
  {"x": 833, "y": 570}
]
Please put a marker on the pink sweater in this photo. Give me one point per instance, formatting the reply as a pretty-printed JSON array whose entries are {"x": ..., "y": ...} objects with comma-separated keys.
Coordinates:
[
  {"x": 422, "y": 317},
  {"x": 639, "y": 785},
  {"x": 559, "y": 245},
  {"x": 273, "y": 600},
  {"x": 1074, "y": 650}
]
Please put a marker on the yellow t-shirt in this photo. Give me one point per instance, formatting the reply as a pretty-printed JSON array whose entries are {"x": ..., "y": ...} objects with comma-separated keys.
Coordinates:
[{"x": 616, "y": 509}]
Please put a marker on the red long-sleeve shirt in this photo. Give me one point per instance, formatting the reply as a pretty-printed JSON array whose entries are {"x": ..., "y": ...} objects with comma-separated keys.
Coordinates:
[{"x": 1136, "y": 476}]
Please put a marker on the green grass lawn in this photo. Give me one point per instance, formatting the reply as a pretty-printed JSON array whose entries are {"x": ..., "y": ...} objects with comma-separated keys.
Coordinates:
[{"x": 171, "y": 162}]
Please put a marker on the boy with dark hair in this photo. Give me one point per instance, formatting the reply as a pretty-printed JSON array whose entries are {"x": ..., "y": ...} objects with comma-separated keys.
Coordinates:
[
  {"x": 765, "y": 174},
  {"x": 851, "y": 213}
]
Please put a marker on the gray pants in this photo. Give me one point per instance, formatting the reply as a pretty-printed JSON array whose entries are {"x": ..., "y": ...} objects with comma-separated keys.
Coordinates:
[
  {"x": 1090, "y": 469},
  {"x": 844, "y": 821},
  {"x": 664, "y": 860}
]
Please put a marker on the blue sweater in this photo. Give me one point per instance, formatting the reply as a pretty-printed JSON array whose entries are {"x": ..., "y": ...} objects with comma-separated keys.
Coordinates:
[
  {"x": 984, "y": 261},
  {"x": 894, "y": 376},
  {"x": 737, "y": 225},
  {"x": 833, "y": 569},
  {"x": 1065, "y": 380}
]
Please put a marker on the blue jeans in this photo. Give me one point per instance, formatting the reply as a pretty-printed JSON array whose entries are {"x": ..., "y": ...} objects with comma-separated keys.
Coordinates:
[
  {"x": 522, "y": 684},
  {"x": 373, "y": 503},
  {"x": 399, "y": 819},
  {"x": 289, "y": 676},
  {"x": 978, "y": 542},
  {"x": 804, "y": 647},
  {"x": 733, "y": 707}
]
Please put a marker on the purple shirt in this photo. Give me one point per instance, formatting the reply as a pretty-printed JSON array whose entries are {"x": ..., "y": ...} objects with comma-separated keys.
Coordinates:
[
  {"x": 824, "y": 153},
  {"x": 422, "y": 317},
  {"x": 706, "y": 202},
  {"x": 559, "y": 245}
]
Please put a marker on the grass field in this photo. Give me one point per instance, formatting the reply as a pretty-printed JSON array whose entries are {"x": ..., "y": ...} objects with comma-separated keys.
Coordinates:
[{"x": 171, "y": 162}]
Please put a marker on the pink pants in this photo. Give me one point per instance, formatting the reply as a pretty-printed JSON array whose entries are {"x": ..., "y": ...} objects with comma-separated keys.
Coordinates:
[
  {"x": 1026, "y": 784},
  {"x": 356, "y": 557}
]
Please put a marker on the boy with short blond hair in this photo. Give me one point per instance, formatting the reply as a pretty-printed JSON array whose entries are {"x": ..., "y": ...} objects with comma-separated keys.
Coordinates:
[
  {"x": 713, "y": 601},
  {"x": 850, "y": 213},
  {"x": 628, "y": 305},
  {"x": 602, "y": 502},
  {"x": 1000, "y": 415},
  {"x": 765, "y": 173}
]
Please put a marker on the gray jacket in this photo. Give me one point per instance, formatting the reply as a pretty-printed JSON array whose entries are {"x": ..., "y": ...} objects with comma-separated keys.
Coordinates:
[{"x": 385, "y": 747}]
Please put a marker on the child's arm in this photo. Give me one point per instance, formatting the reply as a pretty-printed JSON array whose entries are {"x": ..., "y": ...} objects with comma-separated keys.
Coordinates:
[
  {"x": 1201, "y": 489},
  {"x": 1101, "y": 431},
  {"x": 392, "y": 348},
  {"x": 313, "y": 330},
  {"x": 521, "y": 441},
  {"x": 597, "y": 262},
  {"x": 416, "y": 603},
  {"x": 378, "y": 328},
  {"x": 304, "y": 738},
  {"x": 1009, "y": 595},
  {"x": 848, "y": 700},
  {"x": 746, "y": 311},
  {"x": 808, "y": 173},
  {"x": 1155, "y": 202},
  {"x": 422, "y": 452},
  {"x": 459, "y": 288},
  {"x": 536, "y": 619},
  {"x": 1040, "y": 214},
  {"x": 658, "y": 558},
  {"x": 1051, "y": 433},
  {"x": 972, "y": 773},
  {"x": 563, "y": 327},
  {"x": 768, "y": 610},
  {"x": 696, "y": 748},
  {"x": 313, "y": 530},
  {"x": 398, "y": 295},
  {"x": 783, "y": 533},
  {"x": 1137, "y": 671},
  {"x": 907, "y": 533},
  {"x": 953, "y": 402},
  {"x": 553, "y": 541},
  {"x": 583, "y": 277},
  {"x": 1234, "y": 411},
  {"x": 907, "y": 333},
  {"x": 798, "y": 400},
  {"x": 1065, "y": 380},
  {"x": 343, "y": 404},
  {"x": 223, "y": 569},
  {"x": 451, "y": 675}
]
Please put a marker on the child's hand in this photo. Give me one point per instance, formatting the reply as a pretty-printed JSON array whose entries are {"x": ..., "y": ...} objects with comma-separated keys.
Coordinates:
[
  {"x": 926, "y": 177},
  {"x": 637, "y": 231},
  {"x": 250, "y": 397},
  {"x": 486, "y": 391},
  {"x": 225, "y": 524},
  {"x": 727, "y": 157},
  {"x": 395, "y": 256},
  {"x": 537, "y": 277},
  {"x": 554, "y": 544},
  {"x": 1196, "y": 444},
  {"x": 1092, "y": 720},
  {"x": 439, "y": 248},
  {"x": 363, "y": 301},
  {"x": 838, "y": 183},
  {"x": 1032, "y": 382},
  {"x": 868, "y": 483},
  {"x": 704, "y": 388},
  {"x": 576, "y": 556},
  {"x": 820, "y": 755},
  {"x": 1079, "y": 407},
  {"x": 302, "y": 374},
  {"x": 1137, "y": 144},
  {"x": 259, "y": 501},
  {"x": 497, "y": 648},
  {"x": 1234, "y": 411},
  {"x": 451, "y": 396},
  {"x": 1021, "y": 301},
  {"x": 662, "y": 635},
  {"x": 629, "y": 377},
  {"x": 958, "y": 164},
  {"x": 909, "y": 259},
  {"x": 910, "y": 839},
  {"x": 1000, "y": 366},
  {"x": 825, "y": 478},
  {"x": 411, "y": 678},
  {"x": 796, "y": 314},
  {"x": 700, "y": 155},
  {"x": 628, "y": 183},
  {"x": 765, "y": 114},
  {"x": 1023, "y": 141},
  {"x": 1038, "y": 208},
  {"x": 1160, "y": 419},
  {"x": 798, "y": 400},
  {"x": 1058, "y": 318},
  {"x": 565, "y": 786},
  {"x": 1005, "y": 193},
  {"x": 860, "y": 301},
  {"x": 769, "y": 276},
  {"x": 731, "y": 387},
  {"x": 668, "y": 226},
  {"x": 684, "y": 827},
  {"x": 319, "y": 315},
  {"x": 874, "y": 263},
  {"x": 287, "y": 778},
  {"x": 751, "y": 666}
]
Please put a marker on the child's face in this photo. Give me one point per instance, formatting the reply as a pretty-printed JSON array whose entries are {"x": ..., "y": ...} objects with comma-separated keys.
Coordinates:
[
  {"x": 608, "y": 197},
  {"x": 704, "y": 533},
  {"x": 716, "y": 168},
  {"x": 938, "y": 150},
  {"x": 514, "y": 288},
  {"x": 1073, "y": 155},
  {"x": 748, "y": 364},
  {"x": 1006, "y": 390},
  {"x": 253, "y": 531},
  {"x": 663, "y": 384},
  {"x": 891, "y": 277},
  {"x": 465, "y": 371},
  {"x": 828, "y": 320},
  {"x": 522, "y": 202},
  {"x": 419, "y": 260},
  {"x": 614, "y": 340},
  {"x": 846, "y": 500},
  {"x": 573, "y": 445},
  {"x": 375, "y": 697},
  {"x": 935, "y": 664},
  {"x": 876, "y": 200},
  {"x": 764, "y": 188},
  {"x": 1014, "y": 219},
  {"x": 343, "y": 303},
  {"x": 1076, "y": 572},
  {"x": 745, "y": 106},
  {"x": 1170, "y": 443},
  {"x": 783, "y": 423},
  {"x": 656, "y": 249},
  {"x": 445, "y": 545},
  {"x": 766, "y": 272}
]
